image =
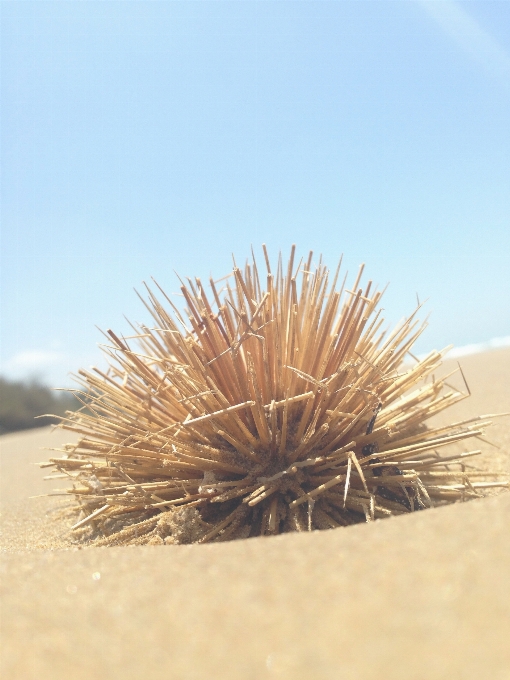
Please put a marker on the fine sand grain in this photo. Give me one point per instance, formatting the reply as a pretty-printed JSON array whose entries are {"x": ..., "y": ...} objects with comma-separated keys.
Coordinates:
[{"x": 421, "y": 597}]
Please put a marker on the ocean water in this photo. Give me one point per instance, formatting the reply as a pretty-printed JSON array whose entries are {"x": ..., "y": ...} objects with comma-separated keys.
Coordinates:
[
  {"x": 465, "y": 350},
  {"x": 475, "y": 348}
]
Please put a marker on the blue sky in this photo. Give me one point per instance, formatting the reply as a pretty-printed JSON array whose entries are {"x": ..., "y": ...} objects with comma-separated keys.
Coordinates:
[{"x": 139, "y": 138}]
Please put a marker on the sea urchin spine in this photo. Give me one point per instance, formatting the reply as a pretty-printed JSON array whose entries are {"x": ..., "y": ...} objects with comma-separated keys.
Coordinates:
[{"x": 267, "y": 410}]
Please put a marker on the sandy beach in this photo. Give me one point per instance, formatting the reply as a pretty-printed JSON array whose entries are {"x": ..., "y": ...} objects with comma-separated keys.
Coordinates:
[{"x": 422, "y": 597}]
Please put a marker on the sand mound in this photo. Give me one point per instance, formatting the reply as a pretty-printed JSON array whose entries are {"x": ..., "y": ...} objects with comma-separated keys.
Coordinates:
[{"x": 424, "y": 596}]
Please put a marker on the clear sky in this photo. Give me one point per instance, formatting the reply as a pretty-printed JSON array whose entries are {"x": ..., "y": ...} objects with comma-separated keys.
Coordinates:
[{"x": 143, "y": 137}]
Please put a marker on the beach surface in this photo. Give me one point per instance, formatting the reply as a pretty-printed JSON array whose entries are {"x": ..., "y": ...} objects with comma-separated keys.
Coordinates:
[{"x": 424, "y": 596}]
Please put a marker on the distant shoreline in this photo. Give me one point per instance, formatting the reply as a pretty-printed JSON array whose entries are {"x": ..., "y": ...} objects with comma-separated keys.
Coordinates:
[{"x": 476, "y": 347}]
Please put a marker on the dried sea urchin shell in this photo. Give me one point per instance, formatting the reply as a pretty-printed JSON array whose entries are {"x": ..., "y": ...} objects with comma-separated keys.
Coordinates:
[{"x": 267, "y": 411}]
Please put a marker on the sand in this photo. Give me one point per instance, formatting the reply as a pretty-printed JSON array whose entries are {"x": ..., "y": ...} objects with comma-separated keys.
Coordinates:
[{"x": 421, "y": 597}]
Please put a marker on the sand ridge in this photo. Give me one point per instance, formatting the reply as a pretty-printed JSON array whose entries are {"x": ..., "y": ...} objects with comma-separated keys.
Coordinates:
[{"x": 424, "y": 596}]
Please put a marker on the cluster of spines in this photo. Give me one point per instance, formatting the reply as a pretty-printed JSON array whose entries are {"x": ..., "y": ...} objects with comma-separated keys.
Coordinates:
[{"x": 264, "y": 401}]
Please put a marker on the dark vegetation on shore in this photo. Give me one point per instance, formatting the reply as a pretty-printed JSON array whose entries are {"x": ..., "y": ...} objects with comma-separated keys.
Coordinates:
[{"x": 21, "y": 402}]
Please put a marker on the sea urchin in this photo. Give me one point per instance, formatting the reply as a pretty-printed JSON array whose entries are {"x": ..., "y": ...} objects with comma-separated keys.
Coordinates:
[{"x": 267, "y": 410}]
